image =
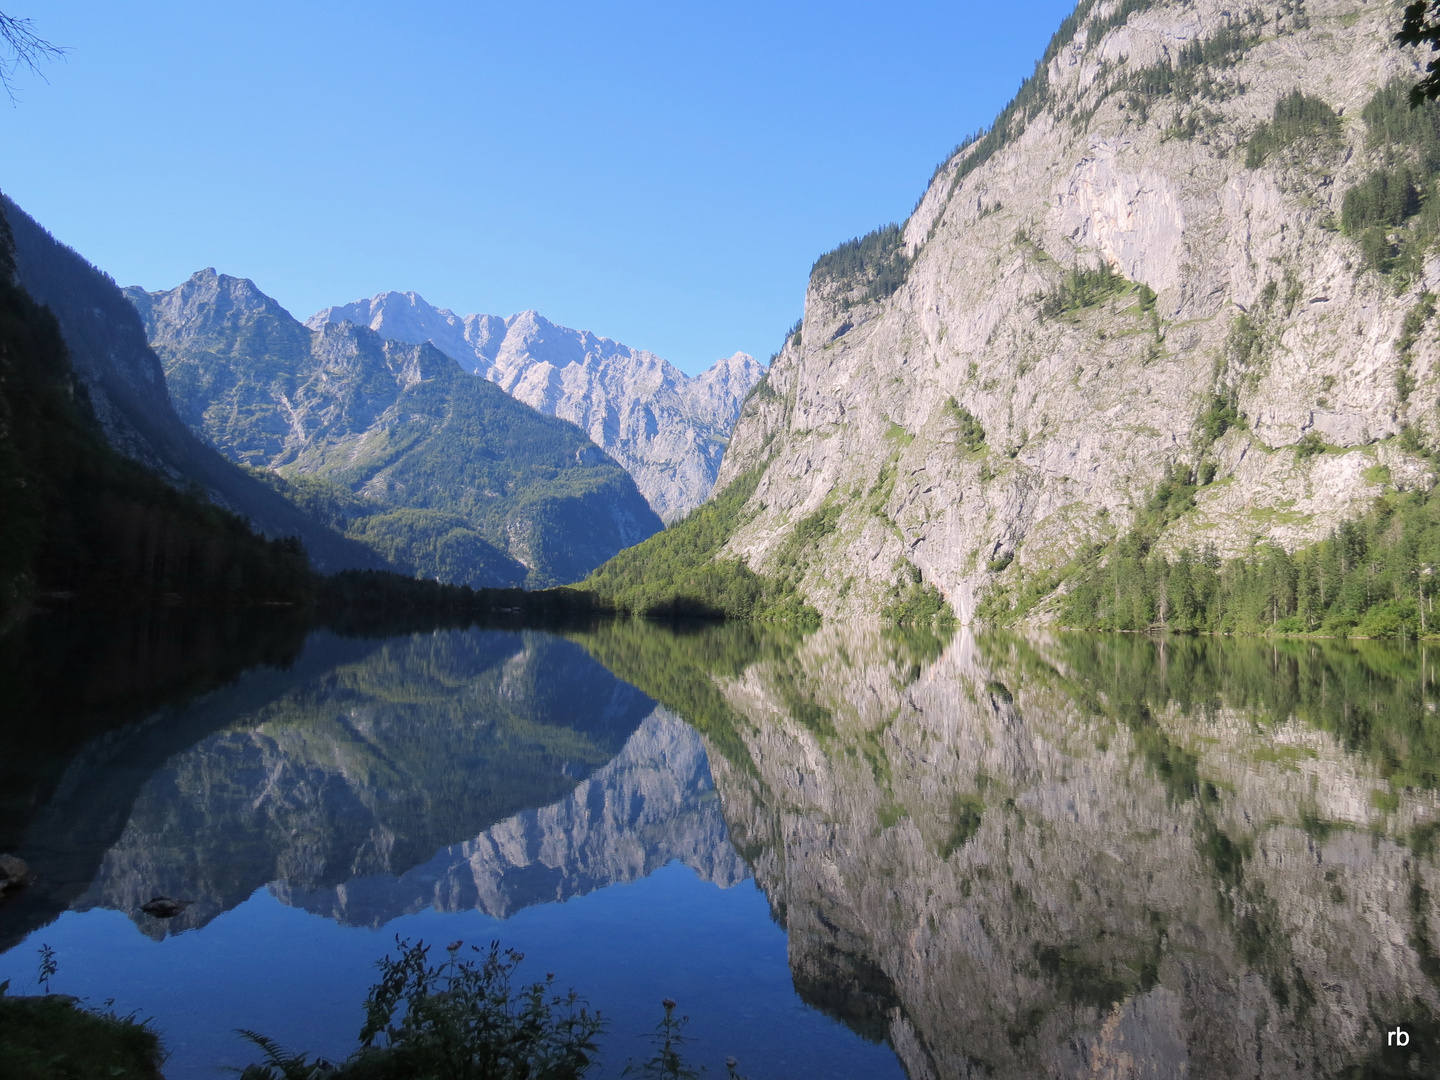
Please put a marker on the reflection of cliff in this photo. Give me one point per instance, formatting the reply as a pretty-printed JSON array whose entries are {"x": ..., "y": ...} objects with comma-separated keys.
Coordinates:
[
  {"x": 369, "y": 768},
  {"x": 1023, "y": 862},
  {"x": 652, "y": 804}
]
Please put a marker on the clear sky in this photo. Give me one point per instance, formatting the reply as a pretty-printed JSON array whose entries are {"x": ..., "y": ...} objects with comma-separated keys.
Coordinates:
[{"x": 663, "y": 174}]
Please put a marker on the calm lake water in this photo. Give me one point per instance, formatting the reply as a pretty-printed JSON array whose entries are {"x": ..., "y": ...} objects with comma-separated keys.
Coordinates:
[{"x": 847, "y": 854}]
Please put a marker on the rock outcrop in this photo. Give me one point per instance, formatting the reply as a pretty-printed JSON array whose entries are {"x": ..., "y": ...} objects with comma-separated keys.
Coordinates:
[
  {"x": 669, "y": 430},
  {"x": 1144, "y": 239}
]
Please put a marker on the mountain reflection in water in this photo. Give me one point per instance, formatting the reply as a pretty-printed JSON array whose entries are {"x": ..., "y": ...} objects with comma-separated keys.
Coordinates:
[
  {"x": 1056, "y": 855},
  {"x": 1085, "y": 855},
  {"x": 367, "y": 771}
]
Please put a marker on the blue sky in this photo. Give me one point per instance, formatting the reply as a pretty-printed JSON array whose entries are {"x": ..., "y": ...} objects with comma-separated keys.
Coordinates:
[{"x": 663, "y": 174}]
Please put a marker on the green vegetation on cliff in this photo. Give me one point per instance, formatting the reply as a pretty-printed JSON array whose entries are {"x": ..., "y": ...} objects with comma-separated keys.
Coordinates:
[
  {"x": 1373, "y": 577},
  {"x": 1394, "y": 213},
  {"x": 681, "y": 572},
  {"x": 1297, "y": 116},
  {"x": 875, "y": 264}
]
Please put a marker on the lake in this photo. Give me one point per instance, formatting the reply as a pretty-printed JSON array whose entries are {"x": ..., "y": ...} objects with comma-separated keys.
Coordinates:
[{"x": 849, "y": 853}]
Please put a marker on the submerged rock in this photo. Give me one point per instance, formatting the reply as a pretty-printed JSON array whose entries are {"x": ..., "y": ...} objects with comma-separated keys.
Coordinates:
[
  {"x": 14, "y": 873},
  {"x": 162, "y": 907}
]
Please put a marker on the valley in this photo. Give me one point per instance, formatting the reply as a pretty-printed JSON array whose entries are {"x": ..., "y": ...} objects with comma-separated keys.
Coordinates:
[{"x": 1024, "y": 673}]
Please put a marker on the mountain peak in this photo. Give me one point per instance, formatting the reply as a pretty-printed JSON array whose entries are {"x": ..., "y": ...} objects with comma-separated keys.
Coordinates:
[{"x": 668, "y": 429}]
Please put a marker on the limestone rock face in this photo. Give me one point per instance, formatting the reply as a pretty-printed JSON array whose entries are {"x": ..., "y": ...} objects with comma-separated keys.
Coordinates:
[
  {"x": 1086, "y": 402},
  {"x": 668, "y": 429}
]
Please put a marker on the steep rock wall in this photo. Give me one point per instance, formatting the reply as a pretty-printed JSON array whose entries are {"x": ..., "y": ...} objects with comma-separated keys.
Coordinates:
[{"x": 1086, "y": 402}]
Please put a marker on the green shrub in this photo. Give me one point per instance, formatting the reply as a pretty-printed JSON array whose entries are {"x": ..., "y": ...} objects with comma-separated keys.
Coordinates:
[
  {"x": 1310, "y": 445},
  {"x": 969, "y": 432},
  {"x": 1220, "y": 416},
  {"x": 966, "y": 814},
  {"x": 915, "y": 602},
  {"x": 54, "y": 1037},
  {"x": 456, "y": 1020},
  {"x": 463, "y": 1019},
  {"x": 1384, "y": 198},
  {"x": 1081, "y": 288}
]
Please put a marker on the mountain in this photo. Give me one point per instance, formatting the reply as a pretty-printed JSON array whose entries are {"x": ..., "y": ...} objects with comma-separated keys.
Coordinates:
[
  {"x": 1185, "y": 278},
  {"x": 442, "y": 473},
  {"x": 124, "y": 391},
  {"x": 668, "y": 429}
]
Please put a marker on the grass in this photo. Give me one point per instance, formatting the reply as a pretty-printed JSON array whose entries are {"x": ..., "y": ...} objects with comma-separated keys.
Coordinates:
[{"x": 56, "y": 1038}]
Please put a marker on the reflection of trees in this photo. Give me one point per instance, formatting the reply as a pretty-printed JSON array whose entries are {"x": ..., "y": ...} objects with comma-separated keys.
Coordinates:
[
  {"x": 1376, "y": 698},
  {"x": 1085, "y": 854}
]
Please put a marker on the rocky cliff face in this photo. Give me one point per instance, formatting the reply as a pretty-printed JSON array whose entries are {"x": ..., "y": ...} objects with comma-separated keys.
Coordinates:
[
  {"x": 456, "y": 480},
  {"x": 667, "y": 429},
  {"x": 1153, "y": 233},
  {"x": 1026, "y": 859}
]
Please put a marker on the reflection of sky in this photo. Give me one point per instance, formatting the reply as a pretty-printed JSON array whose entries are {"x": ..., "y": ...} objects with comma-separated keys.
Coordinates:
[{"x": 300, "y": 979}]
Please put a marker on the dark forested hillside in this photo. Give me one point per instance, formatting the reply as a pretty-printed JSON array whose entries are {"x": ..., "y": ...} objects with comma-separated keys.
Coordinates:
[
  {"x": 77, "y": 517},
  {"x": 439, "y": 471},
  {"x": 127, "y": 395}
]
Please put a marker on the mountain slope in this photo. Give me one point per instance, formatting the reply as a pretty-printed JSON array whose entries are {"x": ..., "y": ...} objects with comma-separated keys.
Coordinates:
[
  {"x": 125, "y": 388},
  {"x": 442, "y": 472},
  {"x": 78, "y": 519},
  {"x": 1170, "y": 264},
  {"x": 667, "y": 429}
]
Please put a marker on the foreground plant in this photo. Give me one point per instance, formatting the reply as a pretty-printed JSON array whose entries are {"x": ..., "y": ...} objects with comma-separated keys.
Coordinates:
[
  {"x": 59, "y": 1037},
  {"x": 459, "y": 1019}
]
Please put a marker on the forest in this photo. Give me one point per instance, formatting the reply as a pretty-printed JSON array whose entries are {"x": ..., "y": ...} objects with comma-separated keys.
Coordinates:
[
  {"x": 1374, "y": 576},
  {"x": 76, "y": 516}
]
